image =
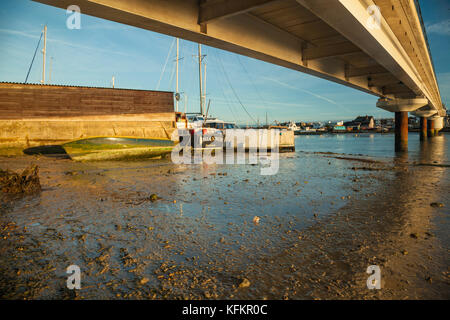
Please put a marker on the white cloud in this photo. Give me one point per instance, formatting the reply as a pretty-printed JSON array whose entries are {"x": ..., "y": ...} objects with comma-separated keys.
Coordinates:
[
  {"x": 19, "y": 33},
  {"x": 61, "y": 42},
  {"x": 442, "y": 28},
  {"x": 307, "y": 92},
  {"x": 266, "y": 104}
]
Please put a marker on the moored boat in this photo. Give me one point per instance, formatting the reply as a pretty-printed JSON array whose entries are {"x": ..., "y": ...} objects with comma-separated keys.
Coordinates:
[{"x": 117, "y": 148}]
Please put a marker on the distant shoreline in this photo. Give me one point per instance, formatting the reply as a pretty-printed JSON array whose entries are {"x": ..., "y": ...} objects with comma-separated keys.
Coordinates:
[{"x": 445, "y": 130}]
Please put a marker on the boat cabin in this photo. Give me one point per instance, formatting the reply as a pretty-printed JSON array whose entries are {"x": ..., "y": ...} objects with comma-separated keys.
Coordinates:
[{"x": 218, "y": 124}]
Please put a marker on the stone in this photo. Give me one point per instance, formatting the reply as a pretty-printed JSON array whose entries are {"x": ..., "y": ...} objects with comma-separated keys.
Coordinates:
[
  {"x": 244, "y": 283},
  {"x": 437, "y": 204}
]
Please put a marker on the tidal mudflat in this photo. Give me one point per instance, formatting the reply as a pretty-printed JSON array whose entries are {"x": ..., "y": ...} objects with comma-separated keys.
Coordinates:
[{"x": 337, "y": 205}]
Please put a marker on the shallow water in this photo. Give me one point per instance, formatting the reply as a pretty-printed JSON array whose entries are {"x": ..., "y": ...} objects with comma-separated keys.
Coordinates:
[{"x": 337, "y": 205}]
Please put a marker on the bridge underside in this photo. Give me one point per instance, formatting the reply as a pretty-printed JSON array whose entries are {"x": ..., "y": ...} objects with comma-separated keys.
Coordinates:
[{"x": 327, "y": 38}]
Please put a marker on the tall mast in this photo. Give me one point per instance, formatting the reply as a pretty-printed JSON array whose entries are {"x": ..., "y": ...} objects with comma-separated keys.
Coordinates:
[
  {"x": 200, "y": 76},
  {"x": 177, "y": 76},
  {"x": 204, "y": 85},
  {"x": 44, "y": 51},
  {"x": 50, "y": 71}
]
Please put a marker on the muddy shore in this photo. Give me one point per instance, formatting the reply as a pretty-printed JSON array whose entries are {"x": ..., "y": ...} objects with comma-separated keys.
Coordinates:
[{"x": 323, "y": 219}]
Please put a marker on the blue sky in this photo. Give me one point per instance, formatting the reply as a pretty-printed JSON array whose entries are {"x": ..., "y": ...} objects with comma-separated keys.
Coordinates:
[{"x": 100, "y": 49}]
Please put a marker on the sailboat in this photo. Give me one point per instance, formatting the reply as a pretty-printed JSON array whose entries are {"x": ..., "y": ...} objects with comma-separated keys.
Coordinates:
[
  {"x": 201, "y": 126},
  {"x": 193, "y": 120}
]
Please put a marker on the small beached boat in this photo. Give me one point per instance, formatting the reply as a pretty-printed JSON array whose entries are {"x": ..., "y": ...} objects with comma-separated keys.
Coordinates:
[{"x": 117, "y": 148}]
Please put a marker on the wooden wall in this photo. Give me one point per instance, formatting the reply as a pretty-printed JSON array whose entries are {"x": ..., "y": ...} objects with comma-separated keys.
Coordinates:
[{"x": 26, "y": 101}]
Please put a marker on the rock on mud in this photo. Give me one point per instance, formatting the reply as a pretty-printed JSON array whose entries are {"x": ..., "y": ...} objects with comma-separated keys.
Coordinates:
[
  {"x": 27, "y": 182},
  {"x": 437, "y": 204},
  {"x": 244, "y": 283}
]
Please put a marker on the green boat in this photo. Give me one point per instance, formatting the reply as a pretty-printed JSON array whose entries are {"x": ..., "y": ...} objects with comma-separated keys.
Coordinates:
[{"x": 117, "y": 148}]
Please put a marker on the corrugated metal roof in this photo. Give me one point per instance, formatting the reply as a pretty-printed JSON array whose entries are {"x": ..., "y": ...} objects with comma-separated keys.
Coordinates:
[{"x": 72, "y": 86}]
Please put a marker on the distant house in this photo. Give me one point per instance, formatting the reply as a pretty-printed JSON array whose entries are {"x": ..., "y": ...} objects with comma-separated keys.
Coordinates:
[
  {"x": 352, "y": 125},
  {"x": 337, "y": 128},
  {"x": 366, "y": 122},
  {"x": 361, "y": 123},
  {"x": 413, "y": 122},
  {"x": 317, "y": 125},
  {"x": 387, "y": 123}
]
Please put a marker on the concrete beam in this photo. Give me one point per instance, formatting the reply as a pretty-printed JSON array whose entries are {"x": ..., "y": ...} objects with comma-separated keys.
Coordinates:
[
  {"x": 424, "y": 112},
  {"x": 379, "y": 80},
  {"x": 353, "y": 72},
  {"x": 217, "y": 9},
  {"x": 401, "y": 105},
  {"x": 330, "y": 51},
  {"x": 396, "y": 89}
]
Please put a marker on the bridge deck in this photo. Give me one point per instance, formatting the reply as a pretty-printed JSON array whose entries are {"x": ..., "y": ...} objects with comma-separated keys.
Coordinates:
[{"x": 331, "y": 39}]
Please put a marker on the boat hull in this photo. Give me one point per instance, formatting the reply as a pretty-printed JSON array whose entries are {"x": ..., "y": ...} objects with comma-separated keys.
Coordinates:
[{"x": 117, "y": 148}]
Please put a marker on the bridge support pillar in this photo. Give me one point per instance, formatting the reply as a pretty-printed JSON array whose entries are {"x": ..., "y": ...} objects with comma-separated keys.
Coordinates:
[
  {"x": 430, "y": 128},
  {"x": 435, "y": 124},
  {"x": 401, "y": 107},
  {"x": 438, "y": 125},
  {"x": 401, "y": 131},
  {"x": 423, "y": 128},
  {"x": 426, "y": 114}
]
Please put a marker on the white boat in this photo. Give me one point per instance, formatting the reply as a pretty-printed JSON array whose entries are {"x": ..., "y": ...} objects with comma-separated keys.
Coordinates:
[{"x": 203, "y": 132}]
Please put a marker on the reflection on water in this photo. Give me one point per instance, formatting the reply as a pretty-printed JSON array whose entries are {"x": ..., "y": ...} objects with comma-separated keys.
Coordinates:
[
  {"x": 323, "y": 219},
  {"x": 374, "y": 145}
]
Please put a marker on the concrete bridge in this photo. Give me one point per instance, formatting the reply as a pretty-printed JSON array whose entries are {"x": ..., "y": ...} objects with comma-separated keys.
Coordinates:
[{"x": 376, "y": 46}]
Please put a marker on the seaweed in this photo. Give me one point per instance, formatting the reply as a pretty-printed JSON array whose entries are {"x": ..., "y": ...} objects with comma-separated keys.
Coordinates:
[{"x": 26, "y": 182}]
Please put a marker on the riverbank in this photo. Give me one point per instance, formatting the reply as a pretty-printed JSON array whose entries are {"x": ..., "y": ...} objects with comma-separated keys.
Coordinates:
[{"x": 334, "y": 208}]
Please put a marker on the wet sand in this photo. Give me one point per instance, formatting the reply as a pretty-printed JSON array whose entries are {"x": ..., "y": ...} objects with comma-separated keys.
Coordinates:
[{"x": 324, "y": 218}]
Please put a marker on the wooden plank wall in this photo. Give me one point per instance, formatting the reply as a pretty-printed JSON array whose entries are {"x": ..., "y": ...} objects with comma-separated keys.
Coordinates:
[{"x": 33, "y": 102}]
